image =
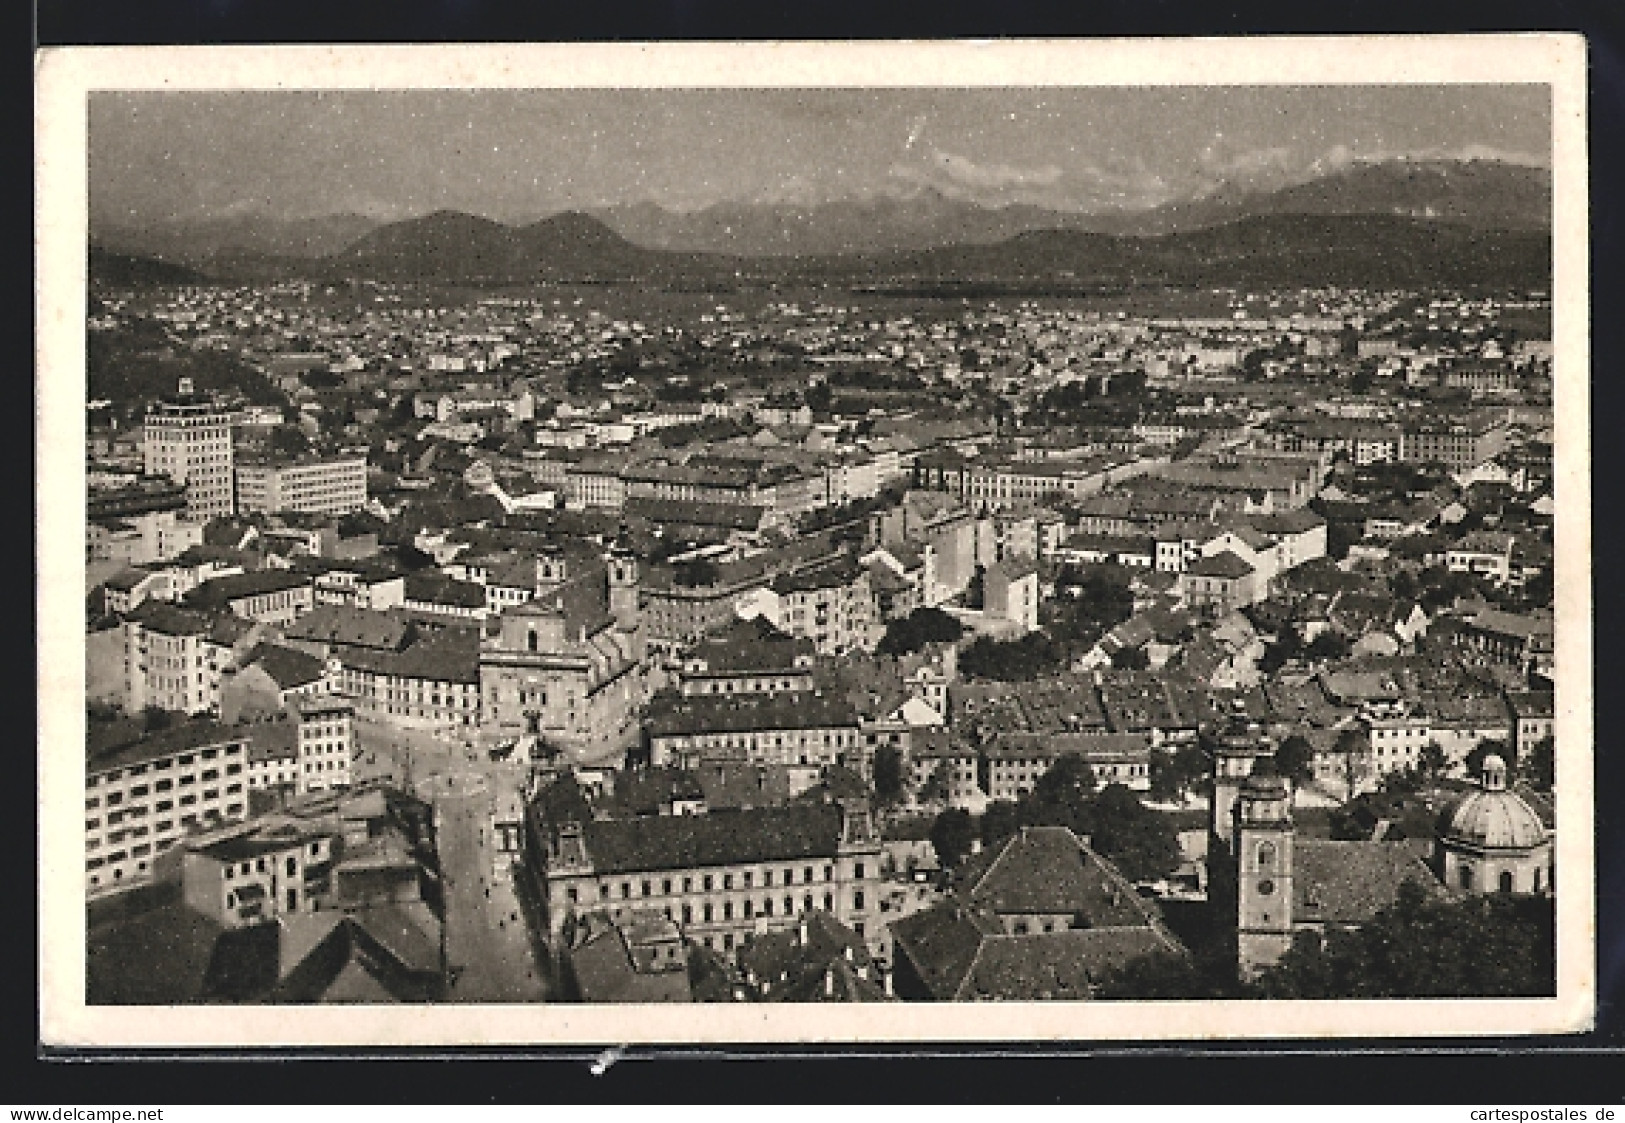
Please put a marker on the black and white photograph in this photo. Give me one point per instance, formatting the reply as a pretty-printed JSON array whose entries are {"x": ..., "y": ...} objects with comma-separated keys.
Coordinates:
[{"x": 1044, "y": 540}]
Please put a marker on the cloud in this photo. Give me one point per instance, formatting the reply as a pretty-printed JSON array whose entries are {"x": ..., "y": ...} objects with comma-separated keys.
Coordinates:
[
  {"x": 959, "y": 177},
  {"x": 1341, "y": 156}
]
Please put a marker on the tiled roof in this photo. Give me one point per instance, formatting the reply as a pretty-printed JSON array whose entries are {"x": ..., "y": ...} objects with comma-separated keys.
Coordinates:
[
  {"x": 838, "y": 572},
  {"x": 447, "y": 655},
  {"x": 158, "y": 616},
  {"x": 1048, "y": 870},
  {"x": 731, "y": 785},
  {"x": 644, "y": 791},
  {"x": 161, "y": 957},
  {"x": 1223, "y": 564},
  {"x": 672, "y": 716},
  {"x": 942, "y": 943},
  {"x": 1054, "y": 965},
  {"x": 287, "y": 666},
  {"x": 184, "y": 735},
  {"x": 766, "y": 834},
  {"x": 682, "y": 512},
  {"x": 239, "y": 586},
  {"x": 272, "y": 740},
  {"x": 1350, "y": 882},
  {"x": 1531, "y": 703},
  {"x": 753, "y": 645},
  {"x": 602, "y": 966},
  {"x": 351, "y": 627},
  {"x": 430, "y": 587}
]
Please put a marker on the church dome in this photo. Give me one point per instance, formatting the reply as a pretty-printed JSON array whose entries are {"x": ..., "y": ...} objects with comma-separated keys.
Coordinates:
[{"x": 1494, "y": 818}]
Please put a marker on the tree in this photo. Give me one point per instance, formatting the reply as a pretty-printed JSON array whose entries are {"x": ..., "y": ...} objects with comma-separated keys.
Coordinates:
[
  {"x": 1353, "y": 752},
  {"x": 1295, "y": 759},
  {"x": 156, "y": 718},
  {"x": 1140, "y": 842},
  {"x": 923, "y": 626},
  {"x": 1020, "y": 660},
  {"x": 1328, "y": 645},
  {"x": 1539, "y": 765},
  {"x": 289, "y": 440},
  {"x": 976, "y": 591},
  {"x": 1000, "y": 820},
  {"x": 1208, "y": 972},
  {"x": 1065, "y": 788},
  {"x": 1174, "y": 774},
  {"x": 1432, "y": 763},
  {"x": 1287, "y": 646},
  {"x": 1131, "y": 659},
  {"x": 888, "y": 774},
  {"x": 952, "y": 834},
  {"x": 936, "y": 790}
]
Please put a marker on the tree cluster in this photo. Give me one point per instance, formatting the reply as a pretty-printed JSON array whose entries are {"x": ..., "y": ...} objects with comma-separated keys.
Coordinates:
[
  {"x": 925, "y": 625},
  {"x": 1496, "y": 946},
  {"x": 1142, "y": 843}
]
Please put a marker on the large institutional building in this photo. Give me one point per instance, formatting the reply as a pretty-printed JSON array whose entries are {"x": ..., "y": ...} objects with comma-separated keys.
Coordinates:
[
  {"x": 188, "y": 439},
  {"x": 317, "y": 485}
]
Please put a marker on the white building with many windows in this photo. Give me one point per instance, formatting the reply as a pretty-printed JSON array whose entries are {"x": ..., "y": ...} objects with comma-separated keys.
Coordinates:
[
  {"x": 326, "y": 743},
  {"x": 188, "y": 439},
  {"x": 334, "y": 485},
  {"x": 142, "y": 796}
]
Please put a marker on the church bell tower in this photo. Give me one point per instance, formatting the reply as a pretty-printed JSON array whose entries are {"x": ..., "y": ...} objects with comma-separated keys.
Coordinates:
[{"x": 1264, "y": 862}]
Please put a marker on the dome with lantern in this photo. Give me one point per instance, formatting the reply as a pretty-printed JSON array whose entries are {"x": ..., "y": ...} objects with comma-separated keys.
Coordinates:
[{"x": 1494, "y": 817}]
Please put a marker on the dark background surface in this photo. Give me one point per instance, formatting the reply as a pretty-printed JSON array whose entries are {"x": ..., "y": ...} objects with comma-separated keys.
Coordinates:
[{"x": 1578, "y": 1071}]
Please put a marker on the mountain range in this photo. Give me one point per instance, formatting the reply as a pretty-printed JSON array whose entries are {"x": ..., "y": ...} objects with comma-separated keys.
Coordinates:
[
  {"x": 1476, "y": 192},
  {"x": 1472, "y": 222},
  {"x": 1480, "y": 193}
]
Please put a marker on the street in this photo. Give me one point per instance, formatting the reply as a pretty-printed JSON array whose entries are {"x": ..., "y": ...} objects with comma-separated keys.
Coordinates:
[{"x": 489, "y": 948}]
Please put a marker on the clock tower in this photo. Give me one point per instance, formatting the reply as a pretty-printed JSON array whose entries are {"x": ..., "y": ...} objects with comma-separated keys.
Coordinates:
[
  {"x": 1264, "y": 870},
  {"x": 1235, "y": 745}
]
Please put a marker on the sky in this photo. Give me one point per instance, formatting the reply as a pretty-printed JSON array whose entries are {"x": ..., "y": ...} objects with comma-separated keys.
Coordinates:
[{"x": 517, "y": 155}]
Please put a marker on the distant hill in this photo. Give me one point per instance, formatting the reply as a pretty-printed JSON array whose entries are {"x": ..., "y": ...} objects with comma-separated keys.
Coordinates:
[
  {"x": 118, "y": 270},
  {"x": 453, "y": 246},
  {"x": 845, "y": 227},
  {"x": 1287, "y": 250},
  {"x": 209, "y": 240},
  {"x": 1481, "y": 193}
]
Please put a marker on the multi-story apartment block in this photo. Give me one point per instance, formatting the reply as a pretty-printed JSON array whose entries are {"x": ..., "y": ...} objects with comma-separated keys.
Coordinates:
[
  {"x": 268, "y": 596},
  {"x": 1011, "y": 765},
  {"x": 432, "y": 684},
  {"x": 331, "y": 485},
  {"x": 1458, "y": 445},
  {"x": 144, "y": 796},
  {"x": 830, "y": 604},
  {"x": 174, "y": 658},
  {"x": 1219, "y": 584},
  {"x": 143, "y": 522},
  {"x": 596, "y": 482},
  {"x": 188, "y": 439},
  {"x": 252, "y": 877},
  {"x": 326, "y": 743}
]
